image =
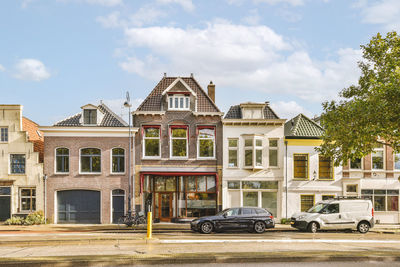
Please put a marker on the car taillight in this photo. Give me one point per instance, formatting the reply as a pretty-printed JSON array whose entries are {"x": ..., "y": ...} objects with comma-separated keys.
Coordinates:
[
  {"x": 372, "y": 212},
  {"x": 271, "y": 216}
]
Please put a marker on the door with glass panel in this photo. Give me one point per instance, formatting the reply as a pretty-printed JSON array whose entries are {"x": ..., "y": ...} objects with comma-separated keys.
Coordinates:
[{"x": 165, "y": 206}]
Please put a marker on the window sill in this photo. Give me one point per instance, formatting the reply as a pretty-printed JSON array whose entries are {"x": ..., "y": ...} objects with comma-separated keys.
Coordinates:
[
  {"x": 199, "y": 158},
  {"x": 300, "y": 179},
  {"x": 186, "y": 158},
  {"x": 61, "y": 173},
  {"x": 321, "y": 179},
  {"x": 90, "y": 173},
  {"x": 117, "y": 173},
  {"x": 234, "y": 167},
  {"x": 151, "y": 158},
  {"x": 17, "y": 174}
]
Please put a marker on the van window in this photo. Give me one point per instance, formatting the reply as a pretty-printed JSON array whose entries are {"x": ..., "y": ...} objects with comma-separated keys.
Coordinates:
[{"x": 332, "y": 208}]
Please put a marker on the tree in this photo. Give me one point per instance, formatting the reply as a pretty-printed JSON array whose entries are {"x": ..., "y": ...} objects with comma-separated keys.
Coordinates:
[{"x": 368, "y": 113}]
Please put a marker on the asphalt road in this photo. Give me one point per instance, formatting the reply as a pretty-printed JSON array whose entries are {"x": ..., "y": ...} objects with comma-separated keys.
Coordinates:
[{"x": 190, "y": 247}]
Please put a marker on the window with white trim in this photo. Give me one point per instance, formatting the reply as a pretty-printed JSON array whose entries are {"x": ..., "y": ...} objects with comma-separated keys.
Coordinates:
[
  {"x": 3, "y": 134},
  {"x": 253, "y": 152},
  {"x": 206, "y": 142},
  {"x": 151, "y": 141},
  {"x": 90, "y": 160},
  {"x": 62, "y": 160},
  {"x": 258, "y": 152},
  {"x": 233, "y": 152},
  {"x": 90, "y": 116},
  {"x": 179, "y": 142},
  {"x": 28, "y": 199},
  {"x": 178, "y": 102},
  {"x": 273, "y": 153},
  {"x": 118, "y": 160},
  {"x": 397, "y": 161},
  {"x": 378, "y": 157},
  {"x": 248, "y": 152}
]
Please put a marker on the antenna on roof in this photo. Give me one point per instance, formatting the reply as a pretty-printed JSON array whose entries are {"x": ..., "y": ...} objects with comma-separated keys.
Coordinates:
[
  {"x": 191, "y": 75},
  {"x": 165, "y": 74}
]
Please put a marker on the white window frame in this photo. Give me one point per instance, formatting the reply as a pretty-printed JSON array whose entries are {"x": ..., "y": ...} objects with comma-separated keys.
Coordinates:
[
  {"x": 213, "y": 128},
  {"x": 111, "y": 161},
  {"x": 394, "y": 161},
  {"x": 80, "y": 159},
  {"x": 31, "y": 197},
  {"x": 362, "y": 165},
  {"x": 233, "y": 149},
  {"x": 144, "y": 143},
  {"x": 258, "y": 148},
  {"x": 246, "y": 148},
  {"x": 277, "y": 152},
  {"x": 254, "y": 148},
  {"x": 55, "y": 160},
  {"x": 178, "y": 98},
  {"x": 180, "y": 138},
  {"x": 8, "y": 134},
  {"x": 92, "y": 110},
  {"x": 383, "y": 158}
]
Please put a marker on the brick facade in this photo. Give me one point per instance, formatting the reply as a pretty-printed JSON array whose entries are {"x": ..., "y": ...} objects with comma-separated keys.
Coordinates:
[{"x": 104, "y": 182}]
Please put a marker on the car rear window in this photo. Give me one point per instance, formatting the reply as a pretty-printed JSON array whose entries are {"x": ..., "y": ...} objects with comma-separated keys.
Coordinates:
[
  {"x": 262, "y": 211},
  {"x": 247, "y": 211}
]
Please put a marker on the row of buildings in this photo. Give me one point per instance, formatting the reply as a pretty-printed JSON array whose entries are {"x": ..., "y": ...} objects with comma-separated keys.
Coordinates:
[{"x": 188, "y": 159}]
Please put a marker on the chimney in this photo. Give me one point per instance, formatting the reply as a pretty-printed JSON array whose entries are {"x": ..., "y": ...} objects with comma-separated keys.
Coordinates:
[{"x": 211, "y": 91}]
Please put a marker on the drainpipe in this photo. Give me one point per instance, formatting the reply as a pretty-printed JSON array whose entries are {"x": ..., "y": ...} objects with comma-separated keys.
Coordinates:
[
  {"x": 286, "y": 180},
  {"x": 45, "y": 197}
]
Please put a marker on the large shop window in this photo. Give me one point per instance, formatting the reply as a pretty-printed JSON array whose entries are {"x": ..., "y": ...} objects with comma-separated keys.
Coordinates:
[
  {"x": 233, "y": 153},
  {"x": 377, "y": 157},
  {"x": 254, "y": 193},
  {"x": 300, "y": 166},
  {"x": 325, "y": 168},
  {"x": 90, "y": 160},
  {"x": 151, "y": 141},
  {"x": 384, "y": 200},
  {"x": 17, "y": 163},
  {"x": 28, "y": 199},
  {"x": 3, "y": 134},
  {"x": 306, "y": 202},
  {"x": 253, "y": 153},
  {"x": 206, "y": 142},
  {"x": 179, "y": 142},
  {"x": 62, "y": 160},
  {"x": 118, "y": 160}
]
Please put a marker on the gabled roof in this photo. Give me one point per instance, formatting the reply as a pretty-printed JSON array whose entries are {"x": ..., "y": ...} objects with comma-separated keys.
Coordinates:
[
  {"x": 110, "y": 119},
  {"x": 153, "y": 100},
  {"x": 235, "y": 112},
  {"x": 302, "y": 126}
]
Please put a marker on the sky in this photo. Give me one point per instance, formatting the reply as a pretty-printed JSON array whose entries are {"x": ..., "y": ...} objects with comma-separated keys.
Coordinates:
[{"x": 58, "y": 55}]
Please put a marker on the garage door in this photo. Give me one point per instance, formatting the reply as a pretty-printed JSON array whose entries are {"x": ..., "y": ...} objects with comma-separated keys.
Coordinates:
[{"x": 78, "y": 206}]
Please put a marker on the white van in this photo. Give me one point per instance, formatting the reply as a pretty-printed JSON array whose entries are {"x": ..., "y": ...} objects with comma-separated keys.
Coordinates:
[{"x": 335, "y": 214}]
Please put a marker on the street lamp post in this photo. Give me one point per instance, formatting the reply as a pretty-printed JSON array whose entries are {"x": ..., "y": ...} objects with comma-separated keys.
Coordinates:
[{"x": 131, "y": 185}]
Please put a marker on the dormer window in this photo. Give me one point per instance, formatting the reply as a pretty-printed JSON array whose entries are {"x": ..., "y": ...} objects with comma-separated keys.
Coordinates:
[
  {"x": 178, "y": 102},
  {"x": 90, "y": 116}
]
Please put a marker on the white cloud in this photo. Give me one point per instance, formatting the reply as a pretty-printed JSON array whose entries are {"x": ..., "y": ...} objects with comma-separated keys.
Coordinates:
[
  {"x": 117, "y": 106},
  {"x": 31, "y": 70},
  {"x": 109, "y": 3},
  {"x": 243, "y": 57},
  {"x": 25, "y": 3},
  {"x": 144, "y": 16},
  {"x": 2, "y": 68},
  {"x": 186, "y": 4},
  {"x": 113, "y": 20},
  {"x": 275, "y": 2},
  {"x": 290, "y": 109},
  {"x": 253, "y": 18},
  {"x": 384, "y": 12}
]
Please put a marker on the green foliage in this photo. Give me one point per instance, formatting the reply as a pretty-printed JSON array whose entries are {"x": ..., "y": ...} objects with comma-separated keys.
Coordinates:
[
  {"x": 15, "y": 220},
  {"x": 36, "y": 217},
  {"x": 285, "y": 221},
  {"x": 370, "y": 111}
]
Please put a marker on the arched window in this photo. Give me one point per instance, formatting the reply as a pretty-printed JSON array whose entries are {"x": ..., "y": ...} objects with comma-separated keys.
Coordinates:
[
  {"x": 118, "y": 160},
  {"x": 62, "y": 160},
  {"x": 90, "y": 160}
]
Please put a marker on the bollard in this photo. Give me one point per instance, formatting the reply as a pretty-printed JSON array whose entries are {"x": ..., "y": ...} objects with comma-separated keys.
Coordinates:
[{"x": 149, "y": 224}]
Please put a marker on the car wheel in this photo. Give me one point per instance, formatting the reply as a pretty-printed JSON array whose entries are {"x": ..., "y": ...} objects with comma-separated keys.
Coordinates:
[
  {"x": 206, "y": 228},
  {"x": 259, "y": 227},
  {"x": 313, "y": 227},
  {"x": 363, "y": 227}
]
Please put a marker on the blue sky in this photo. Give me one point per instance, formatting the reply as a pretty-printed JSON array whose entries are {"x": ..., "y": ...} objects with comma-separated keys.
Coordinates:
[{"x": 56, "y": 56}]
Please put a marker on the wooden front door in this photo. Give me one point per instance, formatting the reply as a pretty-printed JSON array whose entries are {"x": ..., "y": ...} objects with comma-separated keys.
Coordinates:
[{"x": 165, "y": 204}]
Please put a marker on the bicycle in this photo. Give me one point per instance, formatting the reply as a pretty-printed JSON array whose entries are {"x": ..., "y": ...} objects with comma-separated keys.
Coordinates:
[{"x": 135, "y": 219}]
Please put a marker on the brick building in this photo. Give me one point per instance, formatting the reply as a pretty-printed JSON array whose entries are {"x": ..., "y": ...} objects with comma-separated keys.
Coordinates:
[
  {"x": 178, "y": 150},
  {"x": 86, "y": 161}
]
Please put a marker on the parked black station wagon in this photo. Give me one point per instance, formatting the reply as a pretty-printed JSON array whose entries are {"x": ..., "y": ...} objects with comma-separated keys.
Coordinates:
[{"x": 245, "y": 218}]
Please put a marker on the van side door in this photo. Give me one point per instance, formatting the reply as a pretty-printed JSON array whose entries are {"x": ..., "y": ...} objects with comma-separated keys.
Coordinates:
[{"x": 330, "y": 216}]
